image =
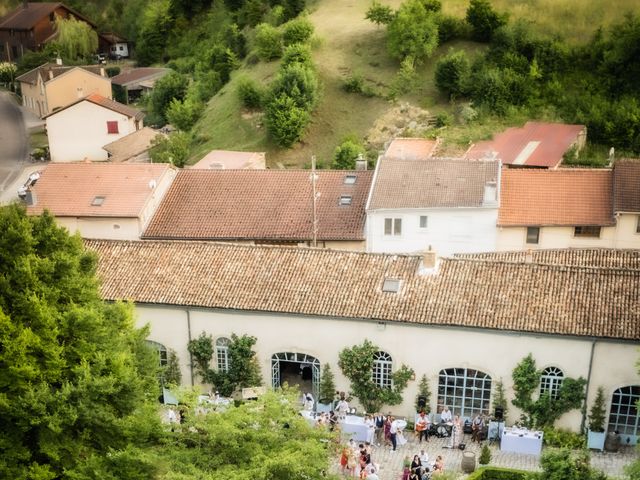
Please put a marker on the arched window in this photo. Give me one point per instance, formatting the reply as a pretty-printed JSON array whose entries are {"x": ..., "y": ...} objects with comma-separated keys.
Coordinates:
[
  {"x": 624, "y": 411},
  {"x": 464, "y": 390},
  {"x": 551, "y": 381},
  {"x": 381, "y": 374},
  {"x": 222, "y": 354},
  {"x": 162, "y": 352}
]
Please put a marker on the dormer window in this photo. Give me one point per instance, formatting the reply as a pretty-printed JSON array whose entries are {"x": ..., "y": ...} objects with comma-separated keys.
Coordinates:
[
  {"x": 97, "y": 201},
  {"x": 350, "y": 179},
  {"x": 345, "y": 199},
  {"x": 391, "y": 285}
]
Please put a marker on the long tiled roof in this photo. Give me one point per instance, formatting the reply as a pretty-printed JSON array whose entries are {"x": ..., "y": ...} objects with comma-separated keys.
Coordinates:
[
  {"x": 564, "y": 197},
  {"x": 69, "y": 189},
  {"x": 50, "y": 71},
  {"x": 136, "y": 75},
  {"x": 626, "y": 185},
  {"x": 431, "y": 183},
  {"x": 131, "y": 145},
  {"x": 477, "y": 293},
  {"x": 261, "y": 205},
  {"x": 22, "y": 18},
  {"x": 101, "y": 101},
  {"x": 590, "y": 257}
]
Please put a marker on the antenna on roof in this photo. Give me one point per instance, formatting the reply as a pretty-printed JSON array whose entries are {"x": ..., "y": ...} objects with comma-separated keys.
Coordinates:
[{"x": 314, "y": 179}]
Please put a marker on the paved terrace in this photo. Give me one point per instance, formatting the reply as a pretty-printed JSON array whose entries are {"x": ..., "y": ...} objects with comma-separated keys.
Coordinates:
[{"x": 391, "y": 463}]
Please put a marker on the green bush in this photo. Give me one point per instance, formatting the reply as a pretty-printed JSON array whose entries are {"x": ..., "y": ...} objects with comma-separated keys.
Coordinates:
[
  {"x": 413, "y": 32},
  {"x": 485, "y": 455},
  {"x": 452, "y": 74},
  {"x": 297, "y": 53},
  {"x": 379, "y": 14},
  {"x": 183, "y": 114},
  {"x": 451, "y": 28},
  {"x": 563, "y": 438},
  {"x": 173, "y": 149},
  {"x": 495, "y": 473},
  {"x": 171, "y": 86},
  {"x": 268, "y": 42},
  {"x": 286, "y": 120},
  {"x": 112, "y": 71},
  {"x": 250, "y": 93},
  {"x": 484, "y": 20},
  {"x": 299, "y": 83},
  {"x": 298, "y": 30},
  {"x": 346, "y": 154}
]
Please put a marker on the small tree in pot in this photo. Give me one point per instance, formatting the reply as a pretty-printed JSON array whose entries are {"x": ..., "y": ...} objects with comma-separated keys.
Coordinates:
[
  {"x": 596, "y": 435},
  {"x": 327, "y": 389}
]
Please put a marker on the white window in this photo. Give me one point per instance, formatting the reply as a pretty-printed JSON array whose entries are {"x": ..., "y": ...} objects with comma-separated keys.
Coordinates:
[
  {"x": 350, "y": 179},
  {"x": 551, "y": 381},
  {"x": 464, "y": 390},
  {"x": 423, "y": 221},
  {"x": 222, "y": 354},
  {"x": 162, "y": 352},
  {"x": 391, "y": 285},
  {"x": 624, "y": 411},
  {"x": 393, "y": 226},
  {"x": 381, "y": 374},
  {"x": 345, "y": 199}
]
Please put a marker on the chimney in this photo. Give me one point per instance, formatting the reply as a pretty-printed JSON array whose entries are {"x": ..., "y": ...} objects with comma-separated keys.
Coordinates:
[
  {"x": 50, "y": 74},
  {"x": 490, "y": 193},
  {"x": 58, "y": 60},
  {"x": 361, "y": 163},
  {"x": 429, "y": 259},
  {"x": 102, "y": 72}
]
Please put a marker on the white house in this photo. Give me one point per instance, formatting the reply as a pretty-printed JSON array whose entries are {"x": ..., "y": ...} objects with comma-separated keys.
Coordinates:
[
  {"x": 465, "y": 323},
  {"x": 448, "y": 204},
  {"x": 80, "y": 130}
]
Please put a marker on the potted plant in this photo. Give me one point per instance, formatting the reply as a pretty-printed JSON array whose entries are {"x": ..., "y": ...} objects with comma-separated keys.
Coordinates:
[
  {"x": 596, "y": 435},
  {"x": 327, "y": 390}
]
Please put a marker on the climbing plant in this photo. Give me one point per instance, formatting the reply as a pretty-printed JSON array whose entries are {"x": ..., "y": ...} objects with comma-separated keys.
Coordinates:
[
  {"x": 356, "y": 364},
  {"x": 546, "y": 409}
]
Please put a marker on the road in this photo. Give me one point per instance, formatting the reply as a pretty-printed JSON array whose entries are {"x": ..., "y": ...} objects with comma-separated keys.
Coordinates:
[{"x": 14, "y": 142}]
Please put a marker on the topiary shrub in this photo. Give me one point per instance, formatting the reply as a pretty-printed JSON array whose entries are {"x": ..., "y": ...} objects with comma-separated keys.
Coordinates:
[
  {"x": 496, "y": 473},
  {"x": 485, "y": 455}
]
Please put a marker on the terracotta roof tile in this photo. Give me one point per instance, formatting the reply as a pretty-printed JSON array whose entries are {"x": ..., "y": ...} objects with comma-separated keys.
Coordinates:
[
  {"x": 537, "y": 144},
  {"x": 98, "y": 99},
  {"x": 69, "y": 189},
  {"x": 569, "y": 197},
  {"x": 22, "y": 18},
  {"x": 626, "y": 185},
  {"x": 131, "y": 145},
  {"x": 136, "y": 75},
  {"x": 411, "y": 148},
  {"x": 50, "y": 71},
  {"x": 231, "y": 160},
  {"x": 431, "y": 183},
  {"x": 477, "y": 293},
  {"x": 261, "y": 205}
]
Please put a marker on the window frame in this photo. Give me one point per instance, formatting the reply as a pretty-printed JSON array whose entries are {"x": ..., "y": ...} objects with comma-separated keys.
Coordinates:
[
  {"x": 163, "y": 352},
  {"x": 623, "y": 415},
  {"x": 551, "y": 381},
  {"x": 392, "y": 226},
  {"x": 529, "y": 236},
  {"x": 112, "y": 127},
  {"x": 426, "y": 222},
  {"x": 221, "y": 350},
  {"x": 587, "y": 231},
  {"x": 382, "y": 369},
  {"x": 458, "y": 388}
]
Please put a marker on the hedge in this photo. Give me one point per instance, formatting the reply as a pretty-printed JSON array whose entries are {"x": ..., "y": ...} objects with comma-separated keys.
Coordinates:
[{"x": 495, "y": 473}]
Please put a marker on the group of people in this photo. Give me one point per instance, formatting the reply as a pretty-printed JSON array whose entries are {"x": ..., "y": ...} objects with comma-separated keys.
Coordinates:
[
  {"x": 355, "y": 460},
  {"x": 422, "y": 469}
]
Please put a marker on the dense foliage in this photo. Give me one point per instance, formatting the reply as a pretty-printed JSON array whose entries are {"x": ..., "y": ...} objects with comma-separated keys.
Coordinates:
[
  {"x": 173, "y": 149},
  {"x": 423, "y": 391},
  {"x": 346, "y": 154},
  {"x": 327, "y": 388},
  {"x": 563, "y": 464},
  {"x": 77, "y": 380},
  {"x": 75, "y": 39},
  {"x": 356, "y": 364},
  {"x": 413, "y": 31}
]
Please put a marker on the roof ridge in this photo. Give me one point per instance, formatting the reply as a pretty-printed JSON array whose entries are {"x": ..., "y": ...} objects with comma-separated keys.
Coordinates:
[{"x": 555, "y": 266}]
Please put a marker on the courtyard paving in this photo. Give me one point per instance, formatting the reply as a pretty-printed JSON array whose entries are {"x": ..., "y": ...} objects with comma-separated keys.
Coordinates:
[{"x": 391, "y": 463}]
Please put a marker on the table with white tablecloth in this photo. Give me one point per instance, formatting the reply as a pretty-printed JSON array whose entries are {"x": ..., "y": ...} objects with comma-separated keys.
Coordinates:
[
  {"x": 355, "y": 427},
  {"x": 520, "y": 440}
]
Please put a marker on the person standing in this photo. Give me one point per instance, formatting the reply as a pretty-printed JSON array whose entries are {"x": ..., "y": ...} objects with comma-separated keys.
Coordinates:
[
  {"x": 342, "y": 409},
  {"x": 393, "y": 432},
  {"x": 477, "y": 426},
  {"x": 422, "y": 427},
  {"x": 379, "y": 422},
  {"x": 456, "y": 432},
  {"x": 371, "y": 428},
  {"x": 387, "y": 430}
]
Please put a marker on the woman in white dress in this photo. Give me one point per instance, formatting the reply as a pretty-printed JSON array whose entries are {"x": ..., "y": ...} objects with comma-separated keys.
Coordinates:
[
  {"x": 371, "y": 428},
  {"x": 456, "y": 432}
]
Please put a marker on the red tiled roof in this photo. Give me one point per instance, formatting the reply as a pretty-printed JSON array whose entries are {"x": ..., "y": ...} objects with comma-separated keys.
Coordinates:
[
  {"x": 69, "y": 189},
  {"x": 25, "y": 18},
  {"x": 411, "y": 148},
  {"x": 98, "y": 99},
  {"x": 626, "y": 185},
  {"x": 261, "y": 204},
  {"x": 523, "y": 297},
  {"x": 137, "y": 75},
  {"x": 431, "y": 183},
  {"x": 536, "y": 144},
  {"x": 569, "y": 197}
]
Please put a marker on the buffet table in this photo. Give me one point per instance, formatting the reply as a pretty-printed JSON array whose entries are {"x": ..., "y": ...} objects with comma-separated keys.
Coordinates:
[
  {"x": 355, "y": 427},
  {"x": 521, "y": 440}
]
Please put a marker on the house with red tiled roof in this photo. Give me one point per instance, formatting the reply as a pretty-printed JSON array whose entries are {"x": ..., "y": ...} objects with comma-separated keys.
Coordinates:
[
  {"x": 80, "y": 130},
  {"x": 30, "y": 26},
  {"x": 231, "y": 160},
  {"x": 265, "y": 207},
  {"x": 417, "y": 202},
  {"x": 132, "y": 83},
  {"x": 626, "y": 202},
  {"x": 101, "y": 200},
  {"x": 50, "y": 87},
  {"x": 536, "y": 144}
]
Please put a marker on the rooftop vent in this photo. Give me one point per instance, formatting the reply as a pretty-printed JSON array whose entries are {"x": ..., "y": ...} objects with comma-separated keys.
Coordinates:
[
  {"x": 350, "y": 179},
  {"x": 391, "y": 285},
  {"x": 345, "y": 199},
  {"x": 97, "y": 201},
  {"x": 216, "y": 166}
]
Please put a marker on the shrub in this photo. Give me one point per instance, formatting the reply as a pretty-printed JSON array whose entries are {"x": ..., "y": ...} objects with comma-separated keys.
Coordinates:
[
  {"x": 354, "y": 84},
  {"x": 484, "y": 20},
  {"x": 566, "y": 465},
  {"x": 298, "y": 30},
  {"x": 443, "y": 119},
  {"x": 597, "y": 412},
  {"x": 413, "y": 32},
  {"x": 496, "y": 473},
  {"x": 250, "y": 93},
  {"x": 268, "y": 42},
  {"x": 424, "y": 391},
  {"x": 297, "y": 53},
  {"x": 206, "y": 85},
  {"x": 346, "y": 154},
  {"x": 327, "y": 389},
  {"x": 563, "y": 438},
  {"x": 452, "y": 74},
  {"x": 379, "y": 14},
  {"x": 485, "y": 455},
  {"x": 451, "y": 28},
  {"x": 183, "y": 114},
  {"x": 112, "y": 71},
  {"x": 406, "y": 78},
  {"x": 171, "y": 86},
  {"x": 299, "y": 83},
  {"x": 173, "y": 149},
  {"x": 221, "y": 59},
  {"x": 286, "y": 120}
]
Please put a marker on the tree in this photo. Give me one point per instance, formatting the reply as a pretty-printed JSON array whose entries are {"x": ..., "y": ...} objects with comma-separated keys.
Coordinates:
[
  {"x": 172, "y": 86},
  {"x": 379, "y": 14},
  {"x": 564, "y": 464},
  {"x": 485, "y": 455},
  {"x": 327, "y": 385},
  {"x": 155, "y": 29},
  {"x": 412, "y": 32},
  {"x": 184, "y": 114},
  {"x": 346, "y": 154},
  {"x": 250, "y": 93},
  {"x": 300, "y": 83},
  {"x": 75, "y": 39},
  {"x": 173, "y": 149},
  {"x": 286, "y": 121},
  {"x": 424, "y": 391},
  {"x": 298, "y": 53},
  {"x": 500, "y": 398},
  {"x": 597, "y": 412},
  {"x": 298, "y": 30},
  {"x": 78, "y": 382},
  {"x": 356, "y": 364},
  {"x": 452, "y": 74},
  {"x": 172, "y": 374},
  {"x": 484, "y": 20},
  {"x": 268, "y": 42}
]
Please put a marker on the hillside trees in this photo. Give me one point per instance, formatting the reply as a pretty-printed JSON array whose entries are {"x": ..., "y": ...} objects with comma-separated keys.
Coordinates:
[
  {"x": 155, "y": 29},
  {"x": 77, "y": 380},
  {"x": 484, "y": 20},
  {"x": 379, "y": 14},
  {"x": 172, "y": 86},
  {"x": 413, "y": 32},
  {"x": 452, "y": 74},
  {"x": 76, "y": 39}
]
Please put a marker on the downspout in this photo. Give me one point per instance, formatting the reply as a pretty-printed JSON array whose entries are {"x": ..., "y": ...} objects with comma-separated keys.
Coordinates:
[
  {"x": 586, "y": 393},
  {"x": 189, "y": 336}
]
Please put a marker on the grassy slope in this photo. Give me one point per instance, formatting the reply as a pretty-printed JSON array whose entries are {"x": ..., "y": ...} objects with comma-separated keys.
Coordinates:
[{"x": 349, "y": 44}]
